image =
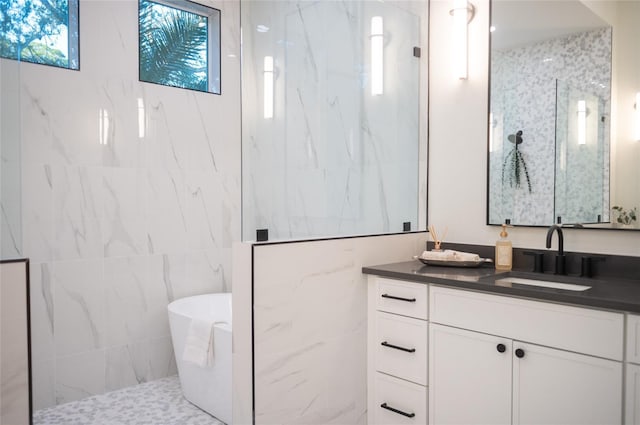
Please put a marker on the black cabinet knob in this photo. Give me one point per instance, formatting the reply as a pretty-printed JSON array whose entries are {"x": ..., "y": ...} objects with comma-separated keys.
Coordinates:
[
  {"x": 519, "y": 353},
  {"x": 501, "y": 348}
]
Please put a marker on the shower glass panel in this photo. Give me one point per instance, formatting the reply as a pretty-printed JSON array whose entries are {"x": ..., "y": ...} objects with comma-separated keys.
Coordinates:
[
  {"x": 582, "y": 147},
  {"x": 331, "y": 120},
  {"x": 10, "y": 165}
]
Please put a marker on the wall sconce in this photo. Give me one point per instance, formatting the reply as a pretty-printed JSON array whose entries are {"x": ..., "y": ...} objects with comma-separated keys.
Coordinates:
[
  {"x": 142, "y": 122},
  {"x": 103, "y": 126},
  {"x": 462, "y": 12},
  {"x": 636, "y": 117},
  {"x": 377, "y": 59},
  {"x": 268, "y": 87},
  {"x": 582, "y": 122}
]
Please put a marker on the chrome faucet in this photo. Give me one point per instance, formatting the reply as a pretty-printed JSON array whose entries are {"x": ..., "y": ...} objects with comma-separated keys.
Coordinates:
[{"x": 560, "y": 258}]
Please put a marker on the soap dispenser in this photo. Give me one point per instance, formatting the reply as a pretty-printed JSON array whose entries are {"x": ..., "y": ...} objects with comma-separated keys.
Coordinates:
[{"x": 504, "y": 251}]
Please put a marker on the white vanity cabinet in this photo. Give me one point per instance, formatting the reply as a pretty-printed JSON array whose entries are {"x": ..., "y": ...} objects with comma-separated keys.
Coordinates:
[
  {"x": 471, "y": 375},
  {"x": 481, "y": 371},
  {"x": 443, "y": 355},
  {"x": 632, "y": 405},
  {"x": 397, "y": 352}
]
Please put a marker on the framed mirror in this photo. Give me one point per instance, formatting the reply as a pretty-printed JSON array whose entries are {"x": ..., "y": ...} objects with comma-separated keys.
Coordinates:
[{"x": 564, "y": 130}]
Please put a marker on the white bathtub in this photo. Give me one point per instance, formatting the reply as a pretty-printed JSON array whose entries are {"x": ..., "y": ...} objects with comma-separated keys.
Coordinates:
[{"x": 209, "y": 388}]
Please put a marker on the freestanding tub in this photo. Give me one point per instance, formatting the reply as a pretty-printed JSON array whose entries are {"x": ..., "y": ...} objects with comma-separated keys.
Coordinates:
[{"x": 209, "y": 387}]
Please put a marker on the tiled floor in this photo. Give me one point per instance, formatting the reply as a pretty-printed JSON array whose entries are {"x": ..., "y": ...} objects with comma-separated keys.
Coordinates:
[{"x": 153, "y": 403}]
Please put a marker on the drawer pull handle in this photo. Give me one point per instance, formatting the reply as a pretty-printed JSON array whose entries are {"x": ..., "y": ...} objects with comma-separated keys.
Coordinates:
[
  {"x": 400, "y": 412},
  {"x": 409, "y": 300},
  {"x": 501, "y": 348},
  {"x": 519, "y": 353},
  {"x": 408, "y": 350}
]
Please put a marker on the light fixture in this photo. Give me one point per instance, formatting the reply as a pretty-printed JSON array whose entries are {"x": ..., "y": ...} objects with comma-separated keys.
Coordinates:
[
  {"x": 377, "y": 59},
  {"x": 103, "y": 126},
  {"x": 462, "y": 12},
  {"x": 268, "y": 87},
  {"x": 582, "y": 122},
  {"x": 492, "y": 28},
  {"x": 637, "y": 117},
  {"x": 142, "y": 124}
]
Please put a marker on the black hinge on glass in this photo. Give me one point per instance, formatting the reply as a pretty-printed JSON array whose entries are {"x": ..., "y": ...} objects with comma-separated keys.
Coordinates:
[
  {"x": 262, "y": 235},
  {"x": 416, "y": 52}
]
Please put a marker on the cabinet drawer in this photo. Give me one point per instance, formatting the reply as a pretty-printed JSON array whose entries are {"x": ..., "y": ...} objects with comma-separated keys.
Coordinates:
[
  {"x": 583, "y": 330},
  {"x": 633, "y": 395},
  {"x": 633, "y": 339},
  {"x": 398, "y": 402},
  {"x": 401, "y": 347},
  {"x": 399, "y": 297}
]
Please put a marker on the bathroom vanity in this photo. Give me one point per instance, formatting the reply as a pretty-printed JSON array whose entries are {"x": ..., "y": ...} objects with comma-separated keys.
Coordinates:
[{"x": 451, "y": 345}]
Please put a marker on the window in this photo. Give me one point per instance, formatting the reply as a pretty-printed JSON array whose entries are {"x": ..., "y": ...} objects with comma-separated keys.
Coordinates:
[
  {"x": 40, "y": 31},
  {"x": 180, "y": 44}
]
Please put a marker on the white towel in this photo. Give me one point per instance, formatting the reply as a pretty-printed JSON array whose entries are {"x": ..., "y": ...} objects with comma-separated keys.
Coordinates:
[
  {"x": 450, "y": 255},
  {"x": 198, "y": 348}
]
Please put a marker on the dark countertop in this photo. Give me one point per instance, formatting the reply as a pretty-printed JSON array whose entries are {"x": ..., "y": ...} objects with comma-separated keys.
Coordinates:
[{"x": 609, "y": 293}]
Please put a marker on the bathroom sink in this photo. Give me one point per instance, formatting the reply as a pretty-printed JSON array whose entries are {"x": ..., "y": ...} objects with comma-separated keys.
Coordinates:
[{"x": 508, "y": 281}]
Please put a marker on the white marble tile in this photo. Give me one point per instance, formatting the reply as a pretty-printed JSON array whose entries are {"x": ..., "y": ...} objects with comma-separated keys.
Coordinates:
[
  {"x": 205, "y": 204},
  {"x": 111, "y": 38},
  {"x": 136, "y": 301},
  {"x": 124, "y": 237},
  {"x": 42, "y": 310},
  {"x": 171, "y": 271},
  {"x": 78, "y": 193},
  {"x": 309, "y": 365},
  {"x": 124, "y": 190},
  {"x": 62, "y": 117},
  {"x": 43, "y": 383},
  {"x": 80, "y": 239},
  {"x": 171, "y": 133},
  {"x": 11, "y": 214},
  {"x": 79, "y": 300},
  {"x": 79, "y": 376},
  {"x": 42, "y": 334},
  {"x": 205, "y": 274},
  {"x": 137, "y": 363},
  {"x": 37, "y": 193},
  {"x": 11, "y": 243}
]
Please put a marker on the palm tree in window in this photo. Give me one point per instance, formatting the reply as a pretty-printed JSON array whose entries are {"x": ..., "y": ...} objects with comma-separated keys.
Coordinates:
[{"x": 173, "y": 46}]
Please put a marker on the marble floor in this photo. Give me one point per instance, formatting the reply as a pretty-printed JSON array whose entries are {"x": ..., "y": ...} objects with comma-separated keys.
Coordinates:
[{"x": 153, "y": 403}]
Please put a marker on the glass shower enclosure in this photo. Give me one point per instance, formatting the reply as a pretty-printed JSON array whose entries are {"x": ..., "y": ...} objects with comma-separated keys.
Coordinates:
[{"x": 331, "y": 118}]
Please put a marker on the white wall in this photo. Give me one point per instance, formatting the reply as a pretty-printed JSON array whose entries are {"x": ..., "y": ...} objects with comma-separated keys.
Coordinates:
[
  {"x": 458, "y": 120},
  {"x": 115, "y": 232}
]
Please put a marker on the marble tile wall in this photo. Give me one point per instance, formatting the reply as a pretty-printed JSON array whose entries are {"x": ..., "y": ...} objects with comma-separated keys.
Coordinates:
[
  {"x": 333, "y": 160},
  {"x": 310, "y": 326},
  {"x": 10, "y": 161},
  {"x": 523, "y": 97},
  {"x": 14, "y": 343},
  {"x": 116, "y": 231}
]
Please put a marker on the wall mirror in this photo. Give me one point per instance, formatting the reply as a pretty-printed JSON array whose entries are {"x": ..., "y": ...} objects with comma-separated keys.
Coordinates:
[{"x": 564, "y": 130}]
